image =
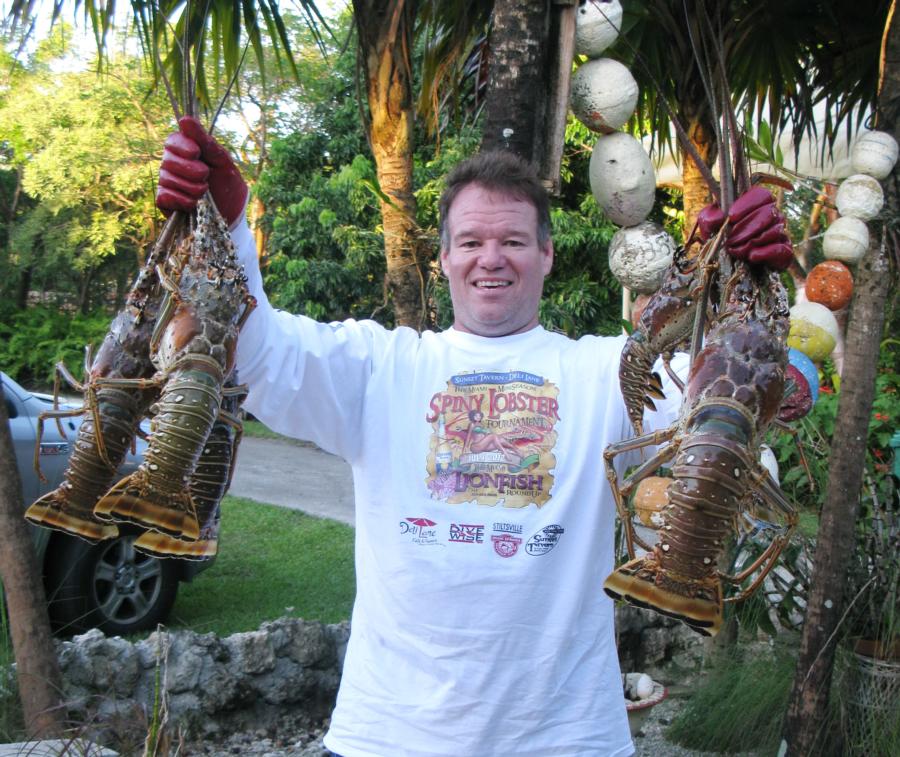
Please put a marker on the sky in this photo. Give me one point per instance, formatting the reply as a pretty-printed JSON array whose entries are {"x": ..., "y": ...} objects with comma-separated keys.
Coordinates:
[{"x": 83, "y": 39}]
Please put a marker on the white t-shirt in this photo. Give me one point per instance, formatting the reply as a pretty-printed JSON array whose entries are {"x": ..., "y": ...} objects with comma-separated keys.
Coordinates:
[{"x": 484, "y": 527}]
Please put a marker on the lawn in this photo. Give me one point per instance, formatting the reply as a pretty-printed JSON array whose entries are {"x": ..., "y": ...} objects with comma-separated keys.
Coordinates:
[
  {"x": 272, "y": 562},
  {"x": 262, "y": 431}
]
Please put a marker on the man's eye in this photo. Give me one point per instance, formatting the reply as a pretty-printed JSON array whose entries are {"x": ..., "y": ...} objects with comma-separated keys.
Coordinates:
[
  {"x": 470, "y": 244},
  {"x": 514, "y": 243}
]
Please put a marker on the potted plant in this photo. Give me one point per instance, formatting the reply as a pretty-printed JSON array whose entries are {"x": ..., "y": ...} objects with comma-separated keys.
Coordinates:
[
  {"x": 874, "y": 583},
  {"x": 869, "y": 678}
]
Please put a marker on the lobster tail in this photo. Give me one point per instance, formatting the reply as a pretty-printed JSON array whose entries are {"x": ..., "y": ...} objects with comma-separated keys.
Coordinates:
[
  {"x": 645, "y": 583},
  {"x": 135, "y": 500},
  {"x": 53, "y": 510},
  {"x": 160, "y": 545}
]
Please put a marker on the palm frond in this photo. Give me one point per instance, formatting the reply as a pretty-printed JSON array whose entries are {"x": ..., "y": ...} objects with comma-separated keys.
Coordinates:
[
  {"x": 179, "y": 35},
  {"x": 784, "y": 58},
  {"x": 454, "y": 38}
]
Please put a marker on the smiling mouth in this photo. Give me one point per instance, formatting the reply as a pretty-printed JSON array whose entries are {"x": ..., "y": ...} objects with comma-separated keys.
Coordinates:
[{"x": 492, "y": 284}]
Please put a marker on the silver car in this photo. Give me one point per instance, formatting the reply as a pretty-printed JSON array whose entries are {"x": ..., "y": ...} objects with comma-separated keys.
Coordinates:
[{"x": 107, "y": 585}]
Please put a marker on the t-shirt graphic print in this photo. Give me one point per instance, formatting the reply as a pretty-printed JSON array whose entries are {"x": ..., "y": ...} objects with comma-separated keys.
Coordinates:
[{"x": 492, "y": 439}]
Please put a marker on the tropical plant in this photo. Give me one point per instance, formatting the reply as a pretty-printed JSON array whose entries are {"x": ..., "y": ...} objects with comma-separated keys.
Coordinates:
[
  {"x": 79, "y": 158},
  {"x": 384, "y": 30},
  {"x": 730, "y": 709},
  {"x": 873, "y": 586},
  {"x": 815, "y": 52}
]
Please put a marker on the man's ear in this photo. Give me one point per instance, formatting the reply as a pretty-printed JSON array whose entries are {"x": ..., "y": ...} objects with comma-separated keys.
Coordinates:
[
  {"x": 547, "y": 262},
  {"x": 444, "y": 254}
]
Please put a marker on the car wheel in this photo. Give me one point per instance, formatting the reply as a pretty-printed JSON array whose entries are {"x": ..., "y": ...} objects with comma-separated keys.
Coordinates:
[{"x": 108, "y": 586}]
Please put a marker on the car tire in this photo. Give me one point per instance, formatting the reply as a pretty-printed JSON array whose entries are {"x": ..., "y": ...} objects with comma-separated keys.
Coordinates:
[{"x": 108, "y": 586}]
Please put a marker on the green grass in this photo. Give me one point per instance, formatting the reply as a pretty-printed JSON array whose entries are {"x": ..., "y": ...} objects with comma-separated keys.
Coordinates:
[
  {"x": 12, "y": 725},
  {"x": 272, "y": 562},
  {"x": 261, "y": 431},
  {"x": 738, "y": 705}
]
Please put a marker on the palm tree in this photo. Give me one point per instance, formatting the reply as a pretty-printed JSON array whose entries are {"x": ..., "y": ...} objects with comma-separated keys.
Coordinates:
[
  {"x": 37, "y": 668},
  {"x": 508, "y": 62},
  {"x": 804, "y": 728},
  {"x": 385, "y": 34},
  {"x": 518, "y": 45},
  {"x": 782, "y": 57}
]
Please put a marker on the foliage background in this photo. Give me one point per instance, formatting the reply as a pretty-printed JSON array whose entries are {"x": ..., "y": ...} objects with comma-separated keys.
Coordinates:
[{"x": 78, "y": 156}]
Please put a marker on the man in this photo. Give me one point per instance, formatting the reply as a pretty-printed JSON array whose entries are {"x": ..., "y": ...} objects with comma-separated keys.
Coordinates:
[{"x": 480, "y": 626}]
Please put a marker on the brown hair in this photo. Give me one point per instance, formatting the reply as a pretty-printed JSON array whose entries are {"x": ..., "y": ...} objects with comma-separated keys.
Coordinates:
[{"x": 502, "y": 172}]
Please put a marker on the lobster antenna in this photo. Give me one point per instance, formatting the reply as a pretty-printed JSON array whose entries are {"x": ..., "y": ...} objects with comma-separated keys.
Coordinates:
[
  {"x": 738, "y": 173},
  {"x": 185, "y": 46},
  {"x": 710, "y": 38},
  {"x": 198, "y": 53},
  {"x": 167, "y": 82},
  {"x": 704, "y": 71},
  {"x": 228, "y": 89},
  {"x": 725, "y": 171}
]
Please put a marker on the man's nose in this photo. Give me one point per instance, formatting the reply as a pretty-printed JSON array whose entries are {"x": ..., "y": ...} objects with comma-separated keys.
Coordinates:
[{"x": 491, "y": 256}]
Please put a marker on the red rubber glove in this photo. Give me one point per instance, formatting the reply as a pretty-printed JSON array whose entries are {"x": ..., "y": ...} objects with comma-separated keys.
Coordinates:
[
  {"x": 193, "y": 162},
  {"x": 709, "y": 221},
  {"x": 758, "y": 230}
]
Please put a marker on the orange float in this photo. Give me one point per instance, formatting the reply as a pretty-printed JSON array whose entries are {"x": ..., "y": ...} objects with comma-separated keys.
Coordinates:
[
  {"x": 650, "y": 498},
  {"x": 830, "y": 284}
]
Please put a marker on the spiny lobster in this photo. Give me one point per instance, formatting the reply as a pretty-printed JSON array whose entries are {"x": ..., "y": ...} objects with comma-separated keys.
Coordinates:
[
  {"x": 192, "y": 348},
  {"x": 117, "y": 391},
  {"x": 733, "y": 393},
  {"x": 209, "y": 482}
]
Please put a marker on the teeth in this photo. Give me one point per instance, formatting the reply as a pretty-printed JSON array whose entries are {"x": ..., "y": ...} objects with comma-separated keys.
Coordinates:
[{"x": 492, "y": 284}]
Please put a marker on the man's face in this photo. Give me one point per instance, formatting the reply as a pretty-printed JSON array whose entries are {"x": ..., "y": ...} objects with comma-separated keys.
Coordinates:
[{"x": 494, "y": 263}]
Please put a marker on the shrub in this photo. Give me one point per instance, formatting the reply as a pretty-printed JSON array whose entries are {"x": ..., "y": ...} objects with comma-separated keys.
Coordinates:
[{"x": 33, "y": 341}]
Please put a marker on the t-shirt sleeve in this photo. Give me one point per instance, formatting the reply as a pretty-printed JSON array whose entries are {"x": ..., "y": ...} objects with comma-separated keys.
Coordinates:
[{"x": 306, "y": 379}]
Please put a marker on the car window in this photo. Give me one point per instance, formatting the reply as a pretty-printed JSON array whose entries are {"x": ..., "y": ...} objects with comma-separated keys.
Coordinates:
[{"x": 11, "y": 410}]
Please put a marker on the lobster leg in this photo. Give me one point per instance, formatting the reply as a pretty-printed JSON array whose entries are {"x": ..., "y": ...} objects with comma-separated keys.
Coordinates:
[
  {"x": 249, "y": 307},
  {"x": 61, "y": 370},
  {"x": 620, "y": 493},
  {"x": 771, "y": 495},
  {"x": 676, "y": 379},
  {"x": 234, "y": 421},
  {"x": 789, "y": 429},
  {"x": 56, "y": 415}
]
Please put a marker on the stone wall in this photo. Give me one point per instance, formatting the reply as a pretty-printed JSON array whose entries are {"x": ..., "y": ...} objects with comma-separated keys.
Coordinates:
[
  {"x": 211, "y": 686},
  {"x": 651, "y": 643},
  {"x": 208, "y": 685}
]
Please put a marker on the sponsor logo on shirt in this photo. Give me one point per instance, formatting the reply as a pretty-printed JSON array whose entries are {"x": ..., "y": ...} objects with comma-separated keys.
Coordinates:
[
  {"x": 544, "y": 540},
  {"x": 506, "y": 544},
  {"x": 465, "y": 533},
  {"x": 419, "y": 531},
  {"x": 492, "y": 439}
]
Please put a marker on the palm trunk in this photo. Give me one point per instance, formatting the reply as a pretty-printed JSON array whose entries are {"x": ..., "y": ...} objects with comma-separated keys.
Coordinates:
[
  {"x": 696, "y": 193},
  {"x": 517, "y": 87},
  {"x": 385, "y": 31},
  {"x": 260, "y": 235},
  {"x": 808, "y": 709},
  {"x": 36, "y": 665}
]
